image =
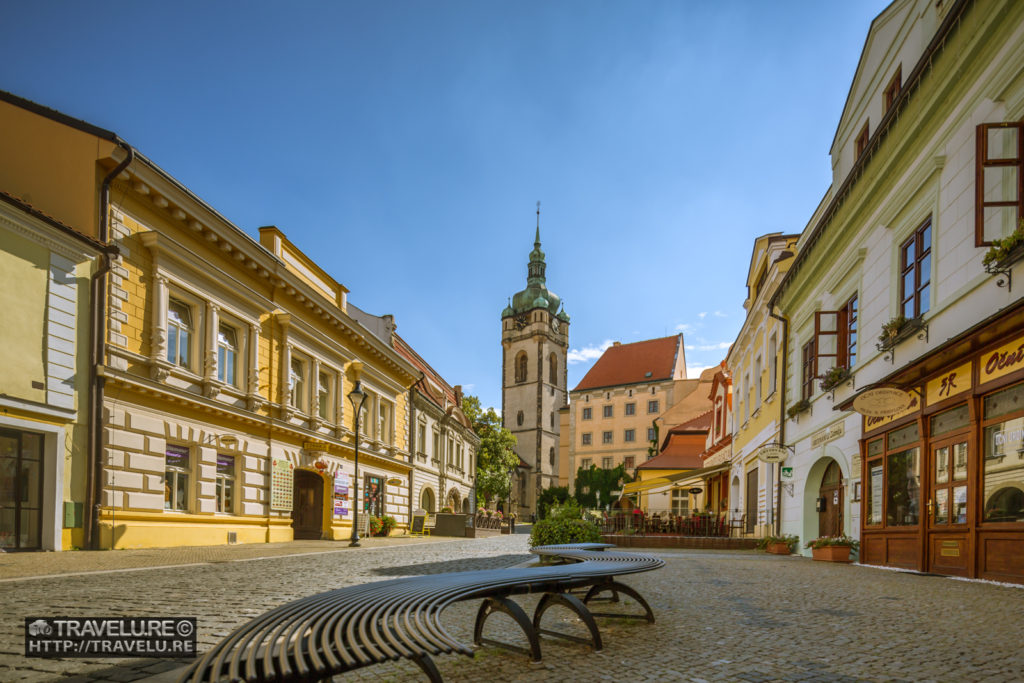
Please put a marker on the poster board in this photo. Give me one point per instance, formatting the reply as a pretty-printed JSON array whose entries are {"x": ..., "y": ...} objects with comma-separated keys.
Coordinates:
[{"x": 282, "y": 481}]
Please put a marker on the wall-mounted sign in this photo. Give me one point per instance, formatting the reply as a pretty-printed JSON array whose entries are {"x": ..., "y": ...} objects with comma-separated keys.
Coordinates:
[
  {"x": 1003, "y": 360},
  {"x": 787, "y": 472},
  {"x": 882, "y": 402},
  {"x": 282, "y": 481},
  {"x": 956, "y": 381},
  {"x": 695, "y": 490},
  {"x": 830, "y": 433},
  {"x": 772, "y": 453}
]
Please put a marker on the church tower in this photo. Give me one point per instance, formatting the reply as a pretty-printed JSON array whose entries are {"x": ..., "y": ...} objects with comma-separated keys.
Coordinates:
[{"x": 535, "y": 343}]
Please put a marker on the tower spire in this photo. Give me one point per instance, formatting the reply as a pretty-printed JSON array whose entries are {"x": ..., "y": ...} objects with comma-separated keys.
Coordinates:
[{"x": 536, "y": 240}]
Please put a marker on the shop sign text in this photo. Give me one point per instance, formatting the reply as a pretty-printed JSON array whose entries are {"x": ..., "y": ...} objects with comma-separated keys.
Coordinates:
[
  {"x": 1003, "y": 361},
  {"x": 830, "y": 433}
]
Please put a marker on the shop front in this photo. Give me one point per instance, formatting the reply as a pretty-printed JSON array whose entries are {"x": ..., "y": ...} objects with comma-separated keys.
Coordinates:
[{"x": 944, "y": 476}]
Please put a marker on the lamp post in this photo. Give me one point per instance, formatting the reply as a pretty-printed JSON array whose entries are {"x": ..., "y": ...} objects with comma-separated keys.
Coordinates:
[{"x": 357, "y": 397}]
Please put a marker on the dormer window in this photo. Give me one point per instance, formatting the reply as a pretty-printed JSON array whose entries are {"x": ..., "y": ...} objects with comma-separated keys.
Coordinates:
[{"x": 861, "y": 143}]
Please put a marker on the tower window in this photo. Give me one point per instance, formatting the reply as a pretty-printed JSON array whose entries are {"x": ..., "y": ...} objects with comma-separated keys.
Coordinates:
[
  {"x": 519, "y": 418},
  {"x": 521, "y": 365},
  {"x": 552, "y": 369}
]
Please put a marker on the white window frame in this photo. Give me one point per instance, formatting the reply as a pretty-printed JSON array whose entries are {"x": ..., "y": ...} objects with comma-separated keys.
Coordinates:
[
  {"x": 227, "y": 355},
  {"x": 175, "y": 331},
  {"x": 172, "y": 474},
  {"x": 325, "y": 400},
  {"x": 225, "y": 482},
  {"x": 298, "y": 385}
]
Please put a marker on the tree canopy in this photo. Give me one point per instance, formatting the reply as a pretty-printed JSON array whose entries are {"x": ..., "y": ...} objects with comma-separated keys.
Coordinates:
[{"x": 496, "y": 457}]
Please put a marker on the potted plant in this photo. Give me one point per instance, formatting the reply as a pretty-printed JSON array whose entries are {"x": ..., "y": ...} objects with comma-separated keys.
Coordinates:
[
  {"x": 778, "y": 545},
  {"x": 798, "y": 407},
  {"x": 833, "y": 378},
  {"x": 891, "y": 330},
  {"x": 1005, "y": 251},
  {"x": 833, "y": 548},
  {"x": 446, "y": 509}
]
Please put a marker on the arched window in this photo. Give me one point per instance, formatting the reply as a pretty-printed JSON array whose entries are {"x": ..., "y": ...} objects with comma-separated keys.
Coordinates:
[
  {"x": 553, "y": 369},
  {"x": 551, "y": 456},
  {"x": 427, "y": 500},
  {"x": 519, "y": 418},
  {"x": 521, "y": 362}
]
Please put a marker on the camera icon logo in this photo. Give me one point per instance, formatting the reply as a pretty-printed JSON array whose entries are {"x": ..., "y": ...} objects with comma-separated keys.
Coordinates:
[{"x": 40, "y": 627}]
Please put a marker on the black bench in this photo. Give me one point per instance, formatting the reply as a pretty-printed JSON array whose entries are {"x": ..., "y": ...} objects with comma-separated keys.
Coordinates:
[{"x": 330, "y": 633}]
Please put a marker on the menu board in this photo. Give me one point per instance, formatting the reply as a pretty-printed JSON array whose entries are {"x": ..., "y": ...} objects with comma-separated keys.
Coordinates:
[
  {"x": 875, "y": 502},
  {"x": 342, "y": 482},
  {"x": 282, "y": 480}
]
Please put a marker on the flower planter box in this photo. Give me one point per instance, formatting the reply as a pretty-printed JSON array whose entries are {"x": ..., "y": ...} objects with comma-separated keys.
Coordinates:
[
  {"x": 832, "y": 553},
  {"x": 777, "y": 548}
]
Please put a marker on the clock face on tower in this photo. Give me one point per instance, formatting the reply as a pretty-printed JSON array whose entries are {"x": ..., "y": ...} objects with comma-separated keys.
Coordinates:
[
  {"x": 519, "y": 322},
  {"x": 554, "y": 324}
]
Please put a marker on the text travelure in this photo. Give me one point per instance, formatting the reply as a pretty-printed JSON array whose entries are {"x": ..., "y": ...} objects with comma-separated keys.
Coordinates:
[{"x": 116, "y": 628}]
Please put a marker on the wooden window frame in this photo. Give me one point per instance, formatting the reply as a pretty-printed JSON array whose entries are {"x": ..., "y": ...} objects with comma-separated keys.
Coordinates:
[
  {"x": 860, "y": 143},
  {"x": 907, "y": 267},
  {"x": 808, "y": 362},
  {"x": 848, "y": 317},
  {"x": 893, "y": 89},
  {"x": 981, "y": 163}
]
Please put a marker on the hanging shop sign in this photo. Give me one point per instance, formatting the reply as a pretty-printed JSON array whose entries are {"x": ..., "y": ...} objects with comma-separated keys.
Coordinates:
[
  {"x": 695, "y": 490},
  {"x": 786, "y": 472},
  {"x": 830, "y": 433},
  {"x": 282, "y": 481},
  {"x": 1004, "y": 360},
  {"x": 772, "y": 452},
  {"x": 882, "y": 402},
  {"x": 956, "y": 381}
]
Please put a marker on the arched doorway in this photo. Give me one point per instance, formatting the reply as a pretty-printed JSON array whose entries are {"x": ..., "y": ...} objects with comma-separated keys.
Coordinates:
[
  {"x": 308, "y": 505},
  {"x": 830, "y": 505},
  {"x": 427, "y": 500},
  {"x": 453, "y": 501}
]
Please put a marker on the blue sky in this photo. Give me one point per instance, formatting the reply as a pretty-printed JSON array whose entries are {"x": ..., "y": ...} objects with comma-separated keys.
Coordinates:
[{"x": 405, "y": 144}]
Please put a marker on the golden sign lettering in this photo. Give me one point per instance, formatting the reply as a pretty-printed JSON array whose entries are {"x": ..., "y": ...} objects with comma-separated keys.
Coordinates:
[
  {"x": 1003, "y": 361},
  {"x": 951, "y": 383}
]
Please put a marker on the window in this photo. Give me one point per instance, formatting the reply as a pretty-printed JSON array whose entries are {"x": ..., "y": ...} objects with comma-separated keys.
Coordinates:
[
  {"x": 297, "y": 384},
  {"x": 680, "y": 502},
  {"x": 915, "y": 272},
  {"x": 176, "y": 470},
  {"x": 718, "y": 417},
  {"x": 588, "y": 413},
  {"x": 225, "y": 483},
  {"x": 606, "y": 463},
  {"x": 585, "y": 439},
  {"x": 892, "y": 91},
  {"x": 585, "y": 463},
  {"x": 999, "y": 181},
  {"x": 807, "y": 370},
  {"x": 1003, "y": 465},
  {"x": 903, "y": 477},
  {"x": 773, "y": 352},
  {"x": 607, "y": 411},
  {"x": 758, "y": 383},
  {"x": 848, "y": 332},
  {"x": 629, "y": 435},
  {"x": 629, "y": 462},
  {"x": 606, "y": 437},
  {"x": 521, "y": 365},
  {"x": 552, "y": 369},
  {"x": 631, "y": 409},
  {"x": 323, "y": 395},
  {"x": 653, "y": 406},
  {"x": 861, "y": 143},
  {"x": 179, "y": 333},
  {"x": 384, "y": 413},
  {"x": 746, "y": 395},
  {"x": 552, "y": 420},
  {"x": 519, "y": 418},
  {"x": 227, "y": 355},
  {"x": 435, "y": 452},
  {"x": 551, "y": 456},
  {"x": 835, "y": 338},
  {"x": 652, "y": 434},
  {"x": 421, "y": 438}
]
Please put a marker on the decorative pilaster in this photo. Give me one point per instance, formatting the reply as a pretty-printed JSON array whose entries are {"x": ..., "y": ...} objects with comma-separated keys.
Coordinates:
[
  {"x": 315, "y": 421},
  {"x": 254, "y": 399},
  {"x": 210, "y": 381},
  {"x": 160, "y": 368}
]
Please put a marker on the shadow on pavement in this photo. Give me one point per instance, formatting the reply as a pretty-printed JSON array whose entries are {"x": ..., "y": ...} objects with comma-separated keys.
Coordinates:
[{"x": 467, "y": 565}]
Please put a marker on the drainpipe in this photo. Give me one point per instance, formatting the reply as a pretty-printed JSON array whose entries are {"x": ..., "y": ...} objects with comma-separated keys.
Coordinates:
[
  {"x": 412, "y": 447},
  {"x": 97, "y": 358},
  {"x": 782, "y": 413}
]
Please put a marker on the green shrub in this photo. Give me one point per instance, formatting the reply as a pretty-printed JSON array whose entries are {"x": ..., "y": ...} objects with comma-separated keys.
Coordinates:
[
  {"x": 557, "y": 531},
  {"x": 382, "y": 526}
]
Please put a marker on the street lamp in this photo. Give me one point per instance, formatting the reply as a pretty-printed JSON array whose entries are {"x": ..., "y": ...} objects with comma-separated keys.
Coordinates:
[{"x": 357, "y": 397}]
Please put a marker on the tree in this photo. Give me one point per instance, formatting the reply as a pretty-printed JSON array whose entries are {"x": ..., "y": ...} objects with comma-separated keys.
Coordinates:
[{"x": 496, "y": 457}]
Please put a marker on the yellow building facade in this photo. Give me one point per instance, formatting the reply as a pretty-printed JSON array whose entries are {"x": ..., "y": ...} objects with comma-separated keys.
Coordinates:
[
  {"x": 224, "y": 367},
  {"x": 756, "y": 365}
]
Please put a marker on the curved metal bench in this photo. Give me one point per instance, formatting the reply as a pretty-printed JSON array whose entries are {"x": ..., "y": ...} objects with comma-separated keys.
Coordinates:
[{"x": 340, "y": 630}]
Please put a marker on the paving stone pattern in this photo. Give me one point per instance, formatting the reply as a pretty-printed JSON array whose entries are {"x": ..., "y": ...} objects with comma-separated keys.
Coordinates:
[{"x": 721, "y": 616}]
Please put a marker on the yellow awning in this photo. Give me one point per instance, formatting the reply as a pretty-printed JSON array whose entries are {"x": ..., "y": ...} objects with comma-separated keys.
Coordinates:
[{"x": 637, "y": 486}]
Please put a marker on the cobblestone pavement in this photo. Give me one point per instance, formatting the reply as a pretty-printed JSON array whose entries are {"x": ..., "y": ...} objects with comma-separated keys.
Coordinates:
[{"x": 721, "y": 616}]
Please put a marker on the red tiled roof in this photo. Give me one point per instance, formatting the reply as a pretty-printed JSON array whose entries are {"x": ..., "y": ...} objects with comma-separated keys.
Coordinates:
[
  {"x": 674, "y": 458},
  {"x": 646, "y": 361},
  {"x": 701, "y": 423}
]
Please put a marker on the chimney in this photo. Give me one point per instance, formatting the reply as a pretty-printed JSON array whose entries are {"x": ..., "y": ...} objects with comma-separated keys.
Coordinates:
[
  {"x": 458, "y": 395},
  {"x": 616, "y": 343}
]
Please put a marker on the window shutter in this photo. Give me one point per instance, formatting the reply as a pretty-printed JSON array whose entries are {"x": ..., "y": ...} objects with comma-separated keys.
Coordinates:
[{"x": 826, "y": 341}]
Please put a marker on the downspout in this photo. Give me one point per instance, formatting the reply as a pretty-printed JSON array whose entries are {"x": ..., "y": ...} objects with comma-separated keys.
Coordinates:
[
  {"x": 412, "y": 447},
  {"x": 782, "y": 412},
  {"x": 97, "y": 358}
]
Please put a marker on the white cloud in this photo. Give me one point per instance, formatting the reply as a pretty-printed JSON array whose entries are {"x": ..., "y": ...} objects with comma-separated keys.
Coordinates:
[
  {"x": 468, "y": 388},
  {"x": 708, "y": 347},
  {"x": 693, "y": 371},
  {"x": 719, "y": 314},
  {"x": 702, "y": 315},
  {"x": 587, "y": 353},
  {"x": 684, "y": 327}
]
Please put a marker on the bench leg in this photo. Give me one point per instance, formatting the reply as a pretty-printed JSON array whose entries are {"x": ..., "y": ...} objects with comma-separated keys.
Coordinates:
[
  {"x": 429, "y": 668},
  {"x": 492, "y": 605},
  {"x": 573, "y": 603},
  {"x": 616, "y": 588}
]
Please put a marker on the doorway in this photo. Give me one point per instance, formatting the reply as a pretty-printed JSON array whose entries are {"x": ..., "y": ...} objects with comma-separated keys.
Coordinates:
[
  {"x": 21, "y": 490},
  {"x": 948, "y": 548},
  {"x": 830, "y": 495},
  {"x": 308, "y": 508},
  {"x": 751, "y": 501}
]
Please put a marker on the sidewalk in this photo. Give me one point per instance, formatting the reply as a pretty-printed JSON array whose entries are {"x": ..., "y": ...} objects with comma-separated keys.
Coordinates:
[{"x": 28, "y": 565}]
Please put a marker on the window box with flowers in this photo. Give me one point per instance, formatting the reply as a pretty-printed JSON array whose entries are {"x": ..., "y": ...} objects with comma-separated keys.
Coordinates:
[
  {"x": 833, "y": 548},
  {"x": 833, "y": 378},
  {"x": 899, "y": 329},
  {"x": 797, "y": 408},
  {"x": 1003, "y": 254}
]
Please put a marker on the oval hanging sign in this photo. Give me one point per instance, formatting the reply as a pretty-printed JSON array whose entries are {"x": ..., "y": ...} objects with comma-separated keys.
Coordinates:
[
  {"x": 696, "y": 490},
  {"x": 772, "y": 453},
  {"x": 882, "y": 402}
]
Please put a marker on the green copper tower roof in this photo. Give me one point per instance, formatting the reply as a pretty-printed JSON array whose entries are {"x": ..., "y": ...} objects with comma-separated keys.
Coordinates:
[{"x": 536, "y": 295}]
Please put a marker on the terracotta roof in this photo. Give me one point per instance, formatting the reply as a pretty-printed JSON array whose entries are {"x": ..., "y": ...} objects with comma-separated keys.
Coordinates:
[
  {"x": 701, "y": 423},
  {"x": 672, "y": 458},
  {"x": 646, "y": 361}
]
